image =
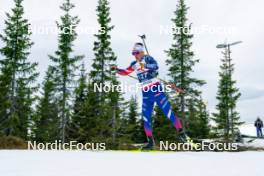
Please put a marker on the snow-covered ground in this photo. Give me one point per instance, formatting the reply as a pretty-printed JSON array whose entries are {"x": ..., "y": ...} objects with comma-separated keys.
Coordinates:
[
  {"x": 109, "y": 163},
  {"x": 255, "y": 143},
  {"x": 248, "y": 129}
]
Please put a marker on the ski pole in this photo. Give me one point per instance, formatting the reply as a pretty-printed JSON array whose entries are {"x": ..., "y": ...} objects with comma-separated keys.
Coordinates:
[
  {"x": 143, "y": 37},
  {"x": 173, "y": 86}
]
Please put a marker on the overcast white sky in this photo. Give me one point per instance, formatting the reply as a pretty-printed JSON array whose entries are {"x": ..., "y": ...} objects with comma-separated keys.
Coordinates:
[{"x": 132, "y": 17}]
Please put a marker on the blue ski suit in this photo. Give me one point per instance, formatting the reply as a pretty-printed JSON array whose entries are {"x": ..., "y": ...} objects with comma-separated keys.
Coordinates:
[{"x": 152, "y": 91}]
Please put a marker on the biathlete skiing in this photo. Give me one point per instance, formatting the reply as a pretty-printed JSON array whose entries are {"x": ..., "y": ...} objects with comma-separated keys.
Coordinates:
[{"x": 146, "y": 68}]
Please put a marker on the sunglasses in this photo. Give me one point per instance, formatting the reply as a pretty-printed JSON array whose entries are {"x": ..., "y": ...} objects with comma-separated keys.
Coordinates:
[{"x": 134, "y": 53}]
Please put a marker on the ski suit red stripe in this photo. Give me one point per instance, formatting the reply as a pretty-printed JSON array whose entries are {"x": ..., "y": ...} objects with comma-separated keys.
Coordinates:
[{"x": 125, "y": 71}]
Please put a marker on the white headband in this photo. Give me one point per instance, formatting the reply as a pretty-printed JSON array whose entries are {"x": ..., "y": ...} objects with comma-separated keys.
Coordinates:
[{"x": 138, "y": 47}]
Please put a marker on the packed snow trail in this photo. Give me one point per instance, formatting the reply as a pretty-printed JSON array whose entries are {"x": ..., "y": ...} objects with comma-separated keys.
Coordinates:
[{"x": 108, "y": 163}]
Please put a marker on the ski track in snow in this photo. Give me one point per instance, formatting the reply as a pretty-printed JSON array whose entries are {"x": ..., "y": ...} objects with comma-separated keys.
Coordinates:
[{"x": 108, "y": 163}]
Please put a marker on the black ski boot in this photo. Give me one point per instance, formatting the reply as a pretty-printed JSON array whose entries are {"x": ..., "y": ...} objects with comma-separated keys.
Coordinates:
[{"x": 150, "y": 145}]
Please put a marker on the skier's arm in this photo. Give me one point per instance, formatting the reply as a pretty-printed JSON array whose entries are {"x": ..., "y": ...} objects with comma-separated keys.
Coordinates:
[
  {"x": 127, "y": 71},
  {"x": 151, "y": 64}
]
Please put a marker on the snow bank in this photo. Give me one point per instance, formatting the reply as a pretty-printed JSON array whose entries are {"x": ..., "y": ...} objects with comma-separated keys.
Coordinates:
[
  {"x": 83, "y": 163},
  {"x": 248, "y": 129},
  {"x": 256, "y": 143}
]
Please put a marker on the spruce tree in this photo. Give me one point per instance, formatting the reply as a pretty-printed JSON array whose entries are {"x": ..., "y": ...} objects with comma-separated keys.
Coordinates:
[
  {"x": 163, "y": 129},
  {"x": 227, "y": 118},
  {"x": 78, "y": 122},
  {"x": 47, "y": 112},
  {"x": 131, "y": 129},
  {"x": 134, "y": 128},
  {"x": 114, "y": 108},
  {"x": 106, "y": 106},
  {"x": 65, "y": 64},
  {"x": 181, "y": 63},
  {"x": 141, "y": 136},
  {"x": 198, "y": 119},
  {"x": 18, "y": 75},
  {"x": 91, "y": 130},
  {"x": 104, "y": 56},
  {"x": 204, "y": 117}
]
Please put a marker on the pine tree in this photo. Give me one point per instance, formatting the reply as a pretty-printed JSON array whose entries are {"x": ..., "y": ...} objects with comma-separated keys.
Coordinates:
[
  {"x": 227, "y": 118},
  {"x": 47, "y": 112},
  {"x": 65, "y": 64},
  {"x": 18, "y": 75},
  {"x": 181, "y": 63},
  {"x": 107, "y": 104}
]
